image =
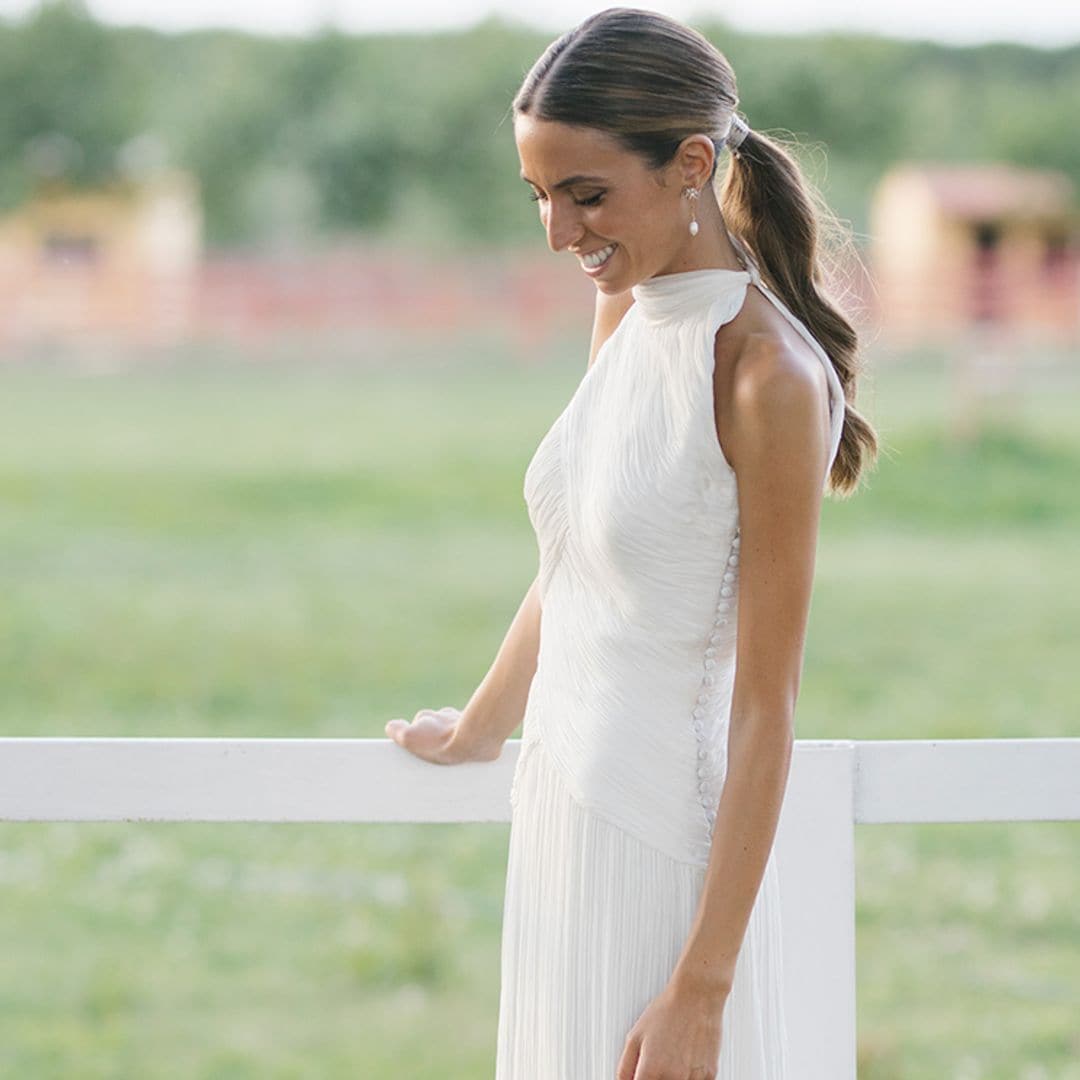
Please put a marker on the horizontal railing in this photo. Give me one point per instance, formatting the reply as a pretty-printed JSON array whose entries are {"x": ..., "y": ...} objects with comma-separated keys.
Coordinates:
[{"x": 833, "y": 786}]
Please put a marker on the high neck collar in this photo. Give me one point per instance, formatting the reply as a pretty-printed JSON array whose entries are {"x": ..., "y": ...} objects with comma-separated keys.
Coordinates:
[
  {"x": 665, "y": 297},
  {"x": 668, "y": 297}
]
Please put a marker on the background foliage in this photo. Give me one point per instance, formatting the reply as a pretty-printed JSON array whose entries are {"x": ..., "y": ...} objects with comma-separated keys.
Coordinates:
[{"x": 409, "y": 135}]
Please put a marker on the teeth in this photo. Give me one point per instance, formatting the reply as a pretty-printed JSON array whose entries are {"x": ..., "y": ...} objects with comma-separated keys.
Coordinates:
[{"x": 597, "y": 258}]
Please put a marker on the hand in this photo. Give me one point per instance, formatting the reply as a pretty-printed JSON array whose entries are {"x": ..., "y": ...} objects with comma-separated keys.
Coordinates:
[
  {"x": 677, "y": 1037},
  {"x": 433, "y": 734}
]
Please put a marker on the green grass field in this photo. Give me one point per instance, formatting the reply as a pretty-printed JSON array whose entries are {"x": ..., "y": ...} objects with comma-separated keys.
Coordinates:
[{"x": 239, "y": 550}]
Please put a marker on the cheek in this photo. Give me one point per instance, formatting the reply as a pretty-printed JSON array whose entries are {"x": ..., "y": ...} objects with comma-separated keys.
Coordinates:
[
  {"x": 623, "y": 220},
  {"x": 610, "y": 222}
]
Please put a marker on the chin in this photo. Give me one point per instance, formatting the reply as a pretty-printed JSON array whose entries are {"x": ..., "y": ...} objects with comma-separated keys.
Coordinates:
[{"x": 612, "y": 288}]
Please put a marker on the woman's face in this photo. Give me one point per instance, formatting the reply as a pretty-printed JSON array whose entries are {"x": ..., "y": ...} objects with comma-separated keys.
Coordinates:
[{"x": 595, "y": 196}]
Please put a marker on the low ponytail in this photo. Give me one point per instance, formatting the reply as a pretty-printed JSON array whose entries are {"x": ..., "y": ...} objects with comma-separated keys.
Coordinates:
[{"x": 769, "y": 205}]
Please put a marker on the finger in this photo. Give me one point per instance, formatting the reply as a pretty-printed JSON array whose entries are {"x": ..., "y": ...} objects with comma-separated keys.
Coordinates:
[
  {"x": 395, "y": 728},
  {"x": 628, "y": 1062}
]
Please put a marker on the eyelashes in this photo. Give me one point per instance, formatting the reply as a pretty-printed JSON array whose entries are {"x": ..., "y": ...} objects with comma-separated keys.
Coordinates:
[{"x": 593, "y": 200}]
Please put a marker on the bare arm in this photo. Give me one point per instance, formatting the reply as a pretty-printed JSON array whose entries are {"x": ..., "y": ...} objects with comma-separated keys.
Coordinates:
[
  {"x": 497, "y": 706},
  {"x": 778, "y": 446},
  {"x": 449, "y": 736}
]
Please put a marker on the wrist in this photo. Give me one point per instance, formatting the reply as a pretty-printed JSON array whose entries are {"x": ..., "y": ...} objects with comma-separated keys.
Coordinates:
[
  {"x": 711, "y": 986},
  {"x": 474, "y": 745}
]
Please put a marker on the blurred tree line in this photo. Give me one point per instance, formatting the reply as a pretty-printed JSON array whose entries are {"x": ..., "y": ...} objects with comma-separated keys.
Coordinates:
[{"x": 409, "y": 136}]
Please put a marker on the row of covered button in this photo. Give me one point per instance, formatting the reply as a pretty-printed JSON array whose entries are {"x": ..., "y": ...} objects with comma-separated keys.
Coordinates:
[{"x": 707, "y": 758}]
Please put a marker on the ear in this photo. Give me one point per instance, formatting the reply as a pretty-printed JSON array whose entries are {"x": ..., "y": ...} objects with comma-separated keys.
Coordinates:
[{"x": 695, "y": 158}]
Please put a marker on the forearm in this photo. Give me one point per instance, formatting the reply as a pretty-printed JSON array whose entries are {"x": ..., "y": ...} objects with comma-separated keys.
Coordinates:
[
  {"x": 759, "y": 759},
  {"x": 497, "y": 705}
]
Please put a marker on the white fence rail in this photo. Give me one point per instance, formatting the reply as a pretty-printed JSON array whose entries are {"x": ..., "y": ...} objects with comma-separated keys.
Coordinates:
[{"x": 834, "y": 786}]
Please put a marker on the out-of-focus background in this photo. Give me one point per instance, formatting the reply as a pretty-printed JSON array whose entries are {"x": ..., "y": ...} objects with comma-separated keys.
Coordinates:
[{"x": 279, "y": 332}]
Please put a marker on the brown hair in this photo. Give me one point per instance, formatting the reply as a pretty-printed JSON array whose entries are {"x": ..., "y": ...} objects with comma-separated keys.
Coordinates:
[{"x": 651, "y": 81}]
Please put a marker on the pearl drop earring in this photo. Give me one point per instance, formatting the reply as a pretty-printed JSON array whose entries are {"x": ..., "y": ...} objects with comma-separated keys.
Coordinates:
[{"x": 692, "y": 194}]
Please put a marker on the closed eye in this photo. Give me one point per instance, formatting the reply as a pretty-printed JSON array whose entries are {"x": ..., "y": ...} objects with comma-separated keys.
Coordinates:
[{"x": 593, "y": 200}]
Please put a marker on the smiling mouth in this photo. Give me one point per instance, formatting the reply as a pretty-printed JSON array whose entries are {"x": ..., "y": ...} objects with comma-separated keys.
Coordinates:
[{"x": 595, "y": 259}]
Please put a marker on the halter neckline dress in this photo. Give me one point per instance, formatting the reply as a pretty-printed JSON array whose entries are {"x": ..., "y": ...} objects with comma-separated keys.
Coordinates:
[{"x": 624, "y": 743}]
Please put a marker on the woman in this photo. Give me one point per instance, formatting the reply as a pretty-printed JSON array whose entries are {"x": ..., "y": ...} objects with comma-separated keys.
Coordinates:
[{"x": 655, "y": 660}]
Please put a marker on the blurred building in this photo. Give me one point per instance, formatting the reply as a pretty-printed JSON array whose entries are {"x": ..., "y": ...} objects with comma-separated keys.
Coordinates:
[
  {"x": 350, "y": 298},
  {"x": 121, "y": 270},
  {"x": 970, "y": 248},
  {"x": 97, "y": 267}
]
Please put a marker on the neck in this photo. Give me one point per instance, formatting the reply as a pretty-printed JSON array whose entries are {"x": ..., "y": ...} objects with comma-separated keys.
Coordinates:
[{"x": 711, "y": 248}]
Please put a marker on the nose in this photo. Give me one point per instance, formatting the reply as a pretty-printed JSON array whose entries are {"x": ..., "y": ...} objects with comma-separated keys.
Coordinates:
[{"x": 563, "y": 226}]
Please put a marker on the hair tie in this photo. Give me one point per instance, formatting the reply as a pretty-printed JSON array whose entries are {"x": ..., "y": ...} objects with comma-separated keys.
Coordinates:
[{"x": 736, "y": 133}]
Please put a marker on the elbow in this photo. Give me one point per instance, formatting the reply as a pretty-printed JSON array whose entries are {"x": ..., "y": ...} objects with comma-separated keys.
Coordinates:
[{"x": 775, "y": 724}]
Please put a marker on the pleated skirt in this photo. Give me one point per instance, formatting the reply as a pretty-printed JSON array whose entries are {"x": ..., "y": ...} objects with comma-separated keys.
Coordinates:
[{"x": 594, "y": 921}]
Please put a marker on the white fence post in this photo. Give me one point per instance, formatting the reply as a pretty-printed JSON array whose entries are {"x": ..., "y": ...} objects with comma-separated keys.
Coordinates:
[{"x": 815, "y": 859}]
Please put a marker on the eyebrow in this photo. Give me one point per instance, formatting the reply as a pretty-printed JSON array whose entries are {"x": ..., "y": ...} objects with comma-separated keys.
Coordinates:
[{"x": 570, "y": 181}]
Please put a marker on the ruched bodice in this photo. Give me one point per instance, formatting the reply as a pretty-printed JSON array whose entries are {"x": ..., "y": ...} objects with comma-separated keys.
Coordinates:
[{"x": 635, "y": 510}]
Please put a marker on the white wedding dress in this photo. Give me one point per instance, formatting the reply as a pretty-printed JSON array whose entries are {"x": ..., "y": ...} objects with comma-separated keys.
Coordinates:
[{"x": 624, "y": 741}]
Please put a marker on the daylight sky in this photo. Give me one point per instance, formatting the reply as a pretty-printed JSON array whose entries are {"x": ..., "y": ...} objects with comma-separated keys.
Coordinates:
[{"x": 1035, "y": 22}]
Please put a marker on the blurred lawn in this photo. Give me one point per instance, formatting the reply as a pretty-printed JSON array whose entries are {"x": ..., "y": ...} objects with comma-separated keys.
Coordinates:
[{"x": 213, "y": 549}]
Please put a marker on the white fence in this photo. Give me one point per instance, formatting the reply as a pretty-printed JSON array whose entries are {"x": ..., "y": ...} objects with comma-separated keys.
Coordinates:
[{"x": 834, "y": 786}]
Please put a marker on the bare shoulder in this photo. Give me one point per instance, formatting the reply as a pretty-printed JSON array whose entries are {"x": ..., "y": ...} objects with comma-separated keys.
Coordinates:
[
  {"x": 769, "y": 387},
  {"x": 608, "y": 314}
]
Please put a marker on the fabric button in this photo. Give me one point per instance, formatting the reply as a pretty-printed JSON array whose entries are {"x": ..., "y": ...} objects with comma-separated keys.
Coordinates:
[
  {"x": 709, "y": 664},
  {"x": 716, "y": 639},
  {"x": 703, "y": 698},
  {"x": 726, "y": 590},
  {"x": 703, "y": 771},
  {"x": 736, "y": 540},
  {"x": 710, "y": 651},
  {"x": 729, "y": 576},
  {"x": 698, "y": 711}
]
